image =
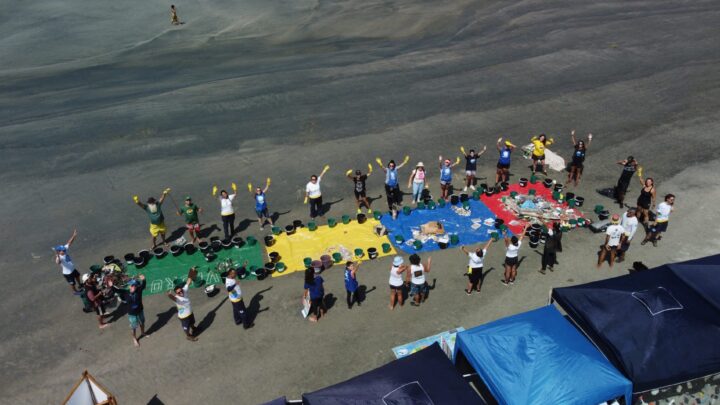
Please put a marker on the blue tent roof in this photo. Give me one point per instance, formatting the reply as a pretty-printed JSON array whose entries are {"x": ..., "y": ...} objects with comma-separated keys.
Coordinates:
[
  {"x": 659, "y": 327},
  {"x": 423, "y": 378},
  {"x": 538, "y": 357}
]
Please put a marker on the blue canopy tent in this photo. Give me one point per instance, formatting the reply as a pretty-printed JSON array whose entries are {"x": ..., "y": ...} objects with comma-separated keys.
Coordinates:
[
  {"x": 659, "y": 327},
  {"x": 538, "y": 357},
  {"x": 423, "y": 378}
]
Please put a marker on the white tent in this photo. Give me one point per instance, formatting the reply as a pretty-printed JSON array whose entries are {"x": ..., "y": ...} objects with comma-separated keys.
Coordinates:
[{"x": 88, "y": 391}]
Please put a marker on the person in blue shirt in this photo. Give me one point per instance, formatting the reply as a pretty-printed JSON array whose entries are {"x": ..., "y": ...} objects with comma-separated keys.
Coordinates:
[
  {"x": 503, "y": 165},
  {"x": 261, "y": 207},
  {"x": 446, "y": 176},
  {"x": 315, "y": 290},
  {"x": 577, "y": 164},
  {"x": 351, "y": 284},
  {"x": 392, "y": 188},
  {"x": 471, "y": 159},
  {"x": 136, "y": 314}
]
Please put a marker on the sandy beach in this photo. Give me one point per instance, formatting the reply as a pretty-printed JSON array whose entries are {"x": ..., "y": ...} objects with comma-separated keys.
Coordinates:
[{"x": 101, "y": 102}]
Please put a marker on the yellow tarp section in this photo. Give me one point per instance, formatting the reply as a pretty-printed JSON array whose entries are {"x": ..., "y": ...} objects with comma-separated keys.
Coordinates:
[{"x": 326, "y": 241}]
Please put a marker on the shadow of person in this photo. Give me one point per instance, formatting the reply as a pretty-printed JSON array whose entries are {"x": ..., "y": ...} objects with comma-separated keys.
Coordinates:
[
  {"x": 522, "y": 259},
  {"x": 176, "y": 234},
  {"x": 487, "y": 272},
  {"x": 363, "y": 292},
  {"x": 325, "y": 208},
  {"x": 253, "y": 308},
  {"x": 373, "y": 199},
  {"x": 162, "y": 320},
  {"x": 329, "y": 301},
  {"x": 120, "y": 311},
  {"x": 208, "y": 319},
  {"x": 275, "y": 216},
  {"x": 243, "y": 225},
  {"x": 207, "y": 232}
]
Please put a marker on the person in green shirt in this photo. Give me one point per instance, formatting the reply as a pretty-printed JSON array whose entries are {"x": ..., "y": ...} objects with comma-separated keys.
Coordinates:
[
  {"x": 190, "y": 212},
  {"x": 153, "y": 208}
]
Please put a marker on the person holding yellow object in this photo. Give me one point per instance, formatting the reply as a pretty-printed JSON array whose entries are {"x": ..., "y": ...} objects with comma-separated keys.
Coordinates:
[
  {"x": 360, "y": 189},
  {"x": 392, "y": 189},
  {"x": 153, "y": 208},
  {"x": 446, "y": 176},
  {"x": 313, "y": 194},
  {"x": 503, "y": 165},
  {"x": 261, "y": 208},
  {"x": 471, "y": 166},
  {"x": 475, "y": 267},
  {"x": 227, "y": 211},
  {"x": 538, "y": 155}
]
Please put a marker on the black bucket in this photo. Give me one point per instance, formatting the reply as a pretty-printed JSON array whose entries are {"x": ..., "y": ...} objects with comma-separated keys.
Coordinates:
[
  {"x": 290, "y": 229},
  {"x": 454, "y": 200},
  {"x": 269, "y": 240},
  {"x": 274, "y": 257},
  {"x": 242, "y": 272},
  {"x": 536, "y": 228},
  {"x": 372, "y": 253},
  {"x": 159, "y": 252},
  {"x": 498, "y": 223},
  {"x": 269, "y": 267},
  {"x": 569, "y": 196},
  {"x": 558, "y": 187},
  {"x": 603, "y": 215},
  {"x": 483, "y": 187},
  {"x": 504, "y": 186},
  {"x": 210, "y": 256},
  {"x": 579, "y": 201},
  {"x": 361, "y": 218},
  {"x": 547, "y": 183},
  {"x": 261, "y": 273},
  {"x": 237, "y": 241},
  {"x": 108, "y": 259},
  {"x": 176, "y": 250},
  {"x": 534, "y": 242},
  {"x": 145, "y": 254},
  {"x": 464, "y": 197},
  {"x": 190, "y": 248},
  {"x": 130, "y": 258},
  {"x": 139, "y": 262},
  {"x": 523, "y": 182},
  {"x": 204, "y": 247},
  {"x": 226, "y": 243},
  {"x": 490, "y": 191},
  {"x": 443, "y": 245},
  {"x": 297, "y": 223},
  {"x": 216, "y": 245}
]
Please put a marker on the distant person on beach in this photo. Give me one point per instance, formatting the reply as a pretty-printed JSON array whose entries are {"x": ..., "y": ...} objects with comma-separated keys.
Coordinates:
[
  {"x": 416, "y": 279},
  {"x": 70, "y": 273},
  {"x": 315, "y": 291},
  {"x": 503, "y": 166},
  {"x": 153, "y": 208},
  {"x": 136, "y": 313},
  {"x": 96, "y": 297},
  {"x": 538, "y": 154},
  {"x": 629, "y": 222},
  {"x": 232, "y": 286},
  {"x": 174, "y": 20},
  {"x": 392, "y": 189},
  {"x": 475, "y": 267},
  {"x": 261, "y": 207},
  {"x": 512, "y": 245},
  {"x": 613, "y": 236},
  {"x": 553, "y": 245},
  {"x": 313, "y": 195},
  {"x": 662, "y": 217},
  {"x": 227, "y": 211},
  {"x": 629, "y": 165},
  {"x": 351, "y": 284},
  {"x": 577, "y": 164},
  {"x": 185, "y": 314},
  {"x": 190, "y": 212},
  {"x": 360, "y": 189},
  {"x": 396, "y": 281},
  {"x": 646, "y": 199},
  {"x": 416, "y": 182},
  {"x": 471, "y": 159},
  {"x": 446, "y": 176}
]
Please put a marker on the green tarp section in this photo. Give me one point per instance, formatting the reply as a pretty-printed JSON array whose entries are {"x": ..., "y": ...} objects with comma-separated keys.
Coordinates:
[{"x": 160, "y": 274}]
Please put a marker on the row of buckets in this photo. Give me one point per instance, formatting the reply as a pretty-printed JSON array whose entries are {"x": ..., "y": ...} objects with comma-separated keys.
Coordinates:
[{"x": 208, "y": 250}]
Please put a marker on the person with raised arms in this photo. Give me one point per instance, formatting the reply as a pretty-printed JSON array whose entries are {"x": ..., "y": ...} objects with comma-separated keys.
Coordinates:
[
  {"x": 69, "y": 272},
  {"x": 577, "y": 164},
  {"x": 503, "y": 166},
  {"x": 396, "y": 281},
  {"x": 416, "y": 279},
  {"x": 360, "y": 189},
  {"x": 512, "y": 244},
  {"x": 232, "y": 286},
  {"x": 190, "y": 212},
  {"x": 153, "y": 208},
  {"x": 392, "y": 189},
  {"x": 475, "y": 267},
  {"x": 261, "y": 208},
  {"x": 136, "y": 312},
  {"x": 446, "y": 176},
  {"x": 313, "y": 195},
  {"x": 185, "y": 313},
  {"x": 646, "y": 199},
  {"x": 416, "y": 182},
  {"x": 352, "y": 287},
  {"x": 471, "y": 159},
  {"x": 227, "y": 211},
  {"x": 538, "y": 154}
]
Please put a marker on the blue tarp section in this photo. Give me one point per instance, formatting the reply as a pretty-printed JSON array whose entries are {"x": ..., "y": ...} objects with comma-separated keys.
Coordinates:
[
  {"x": 538, "y": 357},
  {"x": 659, "y": 327},
  {"x": 452, "y": 223},
  {"x": 423, "y": 378}
]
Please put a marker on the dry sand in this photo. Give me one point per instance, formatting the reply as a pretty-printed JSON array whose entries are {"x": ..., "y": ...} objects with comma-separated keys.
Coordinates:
[{"x": 101, "y": 101}]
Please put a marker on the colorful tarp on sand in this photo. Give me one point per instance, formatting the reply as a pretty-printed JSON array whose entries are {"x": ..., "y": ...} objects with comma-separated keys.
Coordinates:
[
  {"x": 343, "y": 238},
  {"x": 160, "y": 274}
]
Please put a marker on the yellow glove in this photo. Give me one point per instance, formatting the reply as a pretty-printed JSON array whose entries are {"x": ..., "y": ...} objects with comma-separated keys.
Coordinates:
[
  {"x": 406, "y": 159},
  {"x": 469, "y": 270},
  {"x": 136, "y": 199},
  {"x": 305, "y": 202},
  {"x": 462, "y": 149},
  {"x": 369, "y": 168},
  {"x": 214, "y": 191},
  {"x": 326, "y": 168},
  {"x": 457, "y": 160},
  {"x": 234, "y": 187},
  {"x": 250, "y": 187},
  {"x": 349, "y": 172},
  {"x": 551, "y": 140},
  {"x": 166, "y": 191},
  {"x": 377, "y": 159},
  {"x": 267, "y": 181},
  {"x": 639, "y": 171}
]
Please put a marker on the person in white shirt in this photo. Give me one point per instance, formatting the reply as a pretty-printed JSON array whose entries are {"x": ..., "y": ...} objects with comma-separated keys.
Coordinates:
[
  {"x": 235, "y": 295},
  {"x": 613, "y": 236},
  {"x": 396, "y": 281},
  {"x": 227, "y": 211},
  {"x": 313, "y": 194},
  {"x": 416, "y": 278},
  {"x": 185, "y": 314},
  {"x": 511, "y": 255},
  {"x": 475, "y": 267},
  {"x": 662, "y": 217},
  {"x": 630, "y": 223},
  {"x": 66, "y": 264}
]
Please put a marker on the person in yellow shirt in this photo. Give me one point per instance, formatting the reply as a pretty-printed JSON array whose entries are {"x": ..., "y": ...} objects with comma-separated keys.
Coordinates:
[{"x": 538, "y": 156}]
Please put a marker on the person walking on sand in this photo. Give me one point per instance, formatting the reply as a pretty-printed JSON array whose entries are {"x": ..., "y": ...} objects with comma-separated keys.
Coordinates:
[
  {"x": 227, "y": 211},
  {"x": 503, "y": 166},
  {"x": 153, "y": 208},
  {"x": 646, "y": 199},
  {"x": 629, "y": 223},
  {"x": 232, "y": 286},
  {"x": 261, "y": 208},
  {"x": 136, "y": 313},
  {"x": 351, "y": 284},
  {"x": 446, "y": 176},
  {"x": 553, "y": 244},
  {"x": 539, "y": 143},
  {"x": 185, "y": 313},
  {"x": 613, "y": 236},
  {"x": 471, "y": 159},
  {"x": 392, "y": 189},
  {"x": 190, "y": 212},
  {"x": 417, "y": 182},
  {"x": 577, "y": 164},
  {"x": 360, "y": 188},
  {"x": 396, "y": 281},
  {"x": 67, "y": 266},
  {"x": 416, "y": 279},
  {"x": 313, "y": 195},
  {"x": 512, "y": 244},
  {"x": 630, "y": 166},
  {"x": 475, "y": 267},
  {"x": 664, "y": 209},
  {"x": 174, "y": 19},
  {"x": 315, "y": 291}
]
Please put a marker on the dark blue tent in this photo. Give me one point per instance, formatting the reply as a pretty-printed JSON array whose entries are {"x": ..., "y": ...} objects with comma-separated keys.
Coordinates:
[
  {"x": 659, "y": 327},
  {"x": 538, "y": 357},
  {"x": 277, "y": 401},
  {"x": 424, "y": 378}
]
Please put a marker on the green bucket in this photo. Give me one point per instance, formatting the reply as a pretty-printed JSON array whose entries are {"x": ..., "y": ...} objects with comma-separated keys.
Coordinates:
[
  {"x": 280, "y": 267},
  {"x": 417, "y": 245},
  {"x": 573, "y": 223},
  {"x": 399, "y": 239},
  {"x": 307, "y": 262},
  {"x": 454, "y": 239},
  {"x": 531, "y": 191},
  {"x": 251, "y": 241},
  {"x": 386, "y": 247},
  {"x": 346, "y": 219},
  {"x": 431, "y": 205},
  {"x": 406, "y": 210},
  {"x": 495, "y": 236},
  {"x": 476, "y": 195},
  {"x": 599, "y": 209},
  {"x": 312, "y": 226},
  {"x": 513, "y": 194},
  {"x": 337, "y": 257},
  {"x": 421, "y": 205},
  {"x": 466, "y": 204},
  {"x": 556, "y": 195},
  {"x": 377, "y": 214},
  {"x": 502, "y": 228},
  {"x": 276, "y": 230},
  {"x": 332, "y": 222},
  {"x": 533, "y": 179},
  {"x": 441, "y": 202},
  {"x": 358, "y": 253},
  {"x": 571, "y": 203}
]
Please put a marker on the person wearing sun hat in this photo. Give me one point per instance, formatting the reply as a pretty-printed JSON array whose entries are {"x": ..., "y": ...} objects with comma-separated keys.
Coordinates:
[
  {"x": 417, "y": 181},
  {"x": 190, "y": 212},
  {"x": 613, "y": 237},
  {"x": 66, "y": 264},
  {"x": 396, "y": 281},
  {"x": 503, "y": 165}
]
